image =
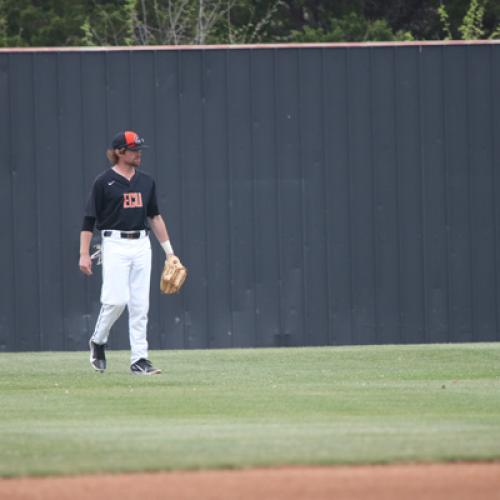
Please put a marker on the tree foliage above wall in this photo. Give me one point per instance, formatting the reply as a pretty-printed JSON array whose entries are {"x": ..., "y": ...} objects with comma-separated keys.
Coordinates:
[{"x": 157, "y": 22}]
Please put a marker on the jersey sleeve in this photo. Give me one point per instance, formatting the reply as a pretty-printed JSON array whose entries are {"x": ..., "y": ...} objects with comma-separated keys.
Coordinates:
[
  {"x": 91, "y": 206},
  {"x": 88, "y": 223},
  {"x": 152, "y": 208}
]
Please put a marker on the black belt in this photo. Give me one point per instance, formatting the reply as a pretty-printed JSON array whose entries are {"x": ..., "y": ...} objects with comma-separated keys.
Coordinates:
[{"x": 129, "y": 236}]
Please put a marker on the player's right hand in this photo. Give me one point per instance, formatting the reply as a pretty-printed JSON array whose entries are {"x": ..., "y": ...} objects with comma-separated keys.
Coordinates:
[{"x": 86, "y": 264}]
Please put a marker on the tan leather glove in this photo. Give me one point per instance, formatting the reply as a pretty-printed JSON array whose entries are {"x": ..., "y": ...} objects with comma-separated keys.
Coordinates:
[{"x": 173, "y": 276}]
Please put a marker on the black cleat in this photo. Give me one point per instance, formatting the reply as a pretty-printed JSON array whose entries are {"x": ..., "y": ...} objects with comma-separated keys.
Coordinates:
[
  {"x": 144, "y": 367},
  {"x": 97, "y": 356}
]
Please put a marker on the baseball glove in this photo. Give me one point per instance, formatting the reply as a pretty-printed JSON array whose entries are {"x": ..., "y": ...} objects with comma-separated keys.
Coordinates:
[{"x": 173, "y": 276}]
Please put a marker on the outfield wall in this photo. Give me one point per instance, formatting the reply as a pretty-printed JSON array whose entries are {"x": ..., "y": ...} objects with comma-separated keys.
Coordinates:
[{"x": 319, "y": 194}]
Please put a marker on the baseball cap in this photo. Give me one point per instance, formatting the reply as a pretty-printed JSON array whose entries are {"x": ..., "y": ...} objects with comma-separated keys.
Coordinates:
[{"x": 128, "y": 140}]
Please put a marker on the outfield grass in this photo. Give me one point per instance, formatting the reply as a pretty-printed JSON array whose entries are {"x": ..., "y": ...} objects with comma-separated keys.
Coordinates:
[{"x": 241, "y": 408}]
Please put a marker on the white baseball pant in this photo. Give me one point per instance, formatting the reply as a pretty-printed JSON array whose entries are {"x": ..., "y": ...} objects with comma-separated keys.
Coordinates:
[{"x": 126, "y": 276}]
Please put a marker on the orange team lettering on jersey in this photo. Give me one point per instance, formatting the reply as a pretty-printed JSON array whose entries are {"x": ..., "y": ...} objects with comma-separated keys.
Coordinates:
[{"x": 132, "y": 200}]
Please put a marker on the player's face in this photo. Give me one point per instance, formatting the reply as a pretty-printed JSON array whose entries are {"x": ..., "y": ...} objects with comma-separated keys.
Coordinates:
[{"x": 132, "y": 158}]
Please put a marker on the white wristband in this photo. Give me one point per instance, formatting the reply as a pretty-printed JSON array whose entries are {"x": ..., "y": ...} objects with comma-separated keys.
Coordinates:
[{"x": 167, "y": 247}]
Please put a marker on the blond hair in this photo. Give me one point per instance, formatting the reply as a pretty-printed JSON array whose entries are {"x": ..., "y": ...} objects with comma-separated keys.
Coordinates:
[{"x": 112, "y": 156}]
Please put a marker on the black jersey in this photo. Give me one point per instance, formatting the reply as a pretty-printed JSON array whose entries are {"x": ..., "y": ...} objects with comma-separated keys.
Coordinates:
[{"x": 116, "y": 203}]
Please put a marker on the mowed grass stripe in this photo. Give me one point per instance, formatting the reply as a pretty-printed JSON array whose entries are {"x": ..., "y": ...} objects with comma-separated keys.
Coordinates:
[{"x": 249, "y": 407}]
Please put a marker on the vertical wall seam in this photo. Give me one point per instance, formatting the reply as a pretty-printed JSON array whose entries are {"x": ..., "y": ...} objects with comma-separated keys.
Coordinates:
[
  {"x": 373, "y": 200},
  {"x": 84, "y": 187},
  {"x": 81, "y": 151},
  {"x": 493, "y": 186},
  {"x": 106, "y": 78},
  {"x": 131, "y": 92},
  {"x": 181, "y": 183},
  {"x": 12, "y": 205},
  {"x": 155, "y": 163},
  {"x": 423, "y": 193},
  {"x": 206, "y": 235},
  {"x": 61, "y": 190},
  {"x": 353, "y": 332},
  {"x": 303, "y": 197},
  {"x": 153, "y": 168},
  {"x": 278, "y": 200},
  {"x": 14, "y": 225},
  {"x": 469, "y": 193},
  {"x": 82, "y": 171},
  {"x": 329, "y": 336},
  {"x": 254, "y": 202},
  {"x": 37, "y": 204},
  {"x": 229, "y": 203},
  {"x": 17, "y": 310},
  {"x": 449, "y": 316},
  {"x": 398, "y": 196}
]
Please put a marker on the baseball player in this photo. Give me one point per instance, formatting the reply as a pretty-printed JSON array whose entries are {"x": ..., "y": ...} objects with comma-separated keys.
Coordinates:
[{"x": 123, "y": 207}]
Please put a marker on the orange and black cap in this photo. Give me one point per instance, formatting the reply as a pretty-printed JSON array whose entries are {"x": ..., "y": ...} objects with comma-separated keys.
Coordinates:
[{"x": 128, "y": 140}]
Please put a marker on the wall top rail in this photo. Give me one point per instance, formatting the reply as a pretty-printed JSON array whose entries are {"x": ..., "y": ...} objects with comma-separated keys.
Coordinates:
[{"x": 251, "y": 46}]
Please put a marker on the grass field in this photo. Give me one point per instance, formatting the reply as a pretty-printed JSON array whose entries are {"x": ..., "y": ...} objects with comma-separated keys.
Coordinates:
[{"x": 254, "y": 407}]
